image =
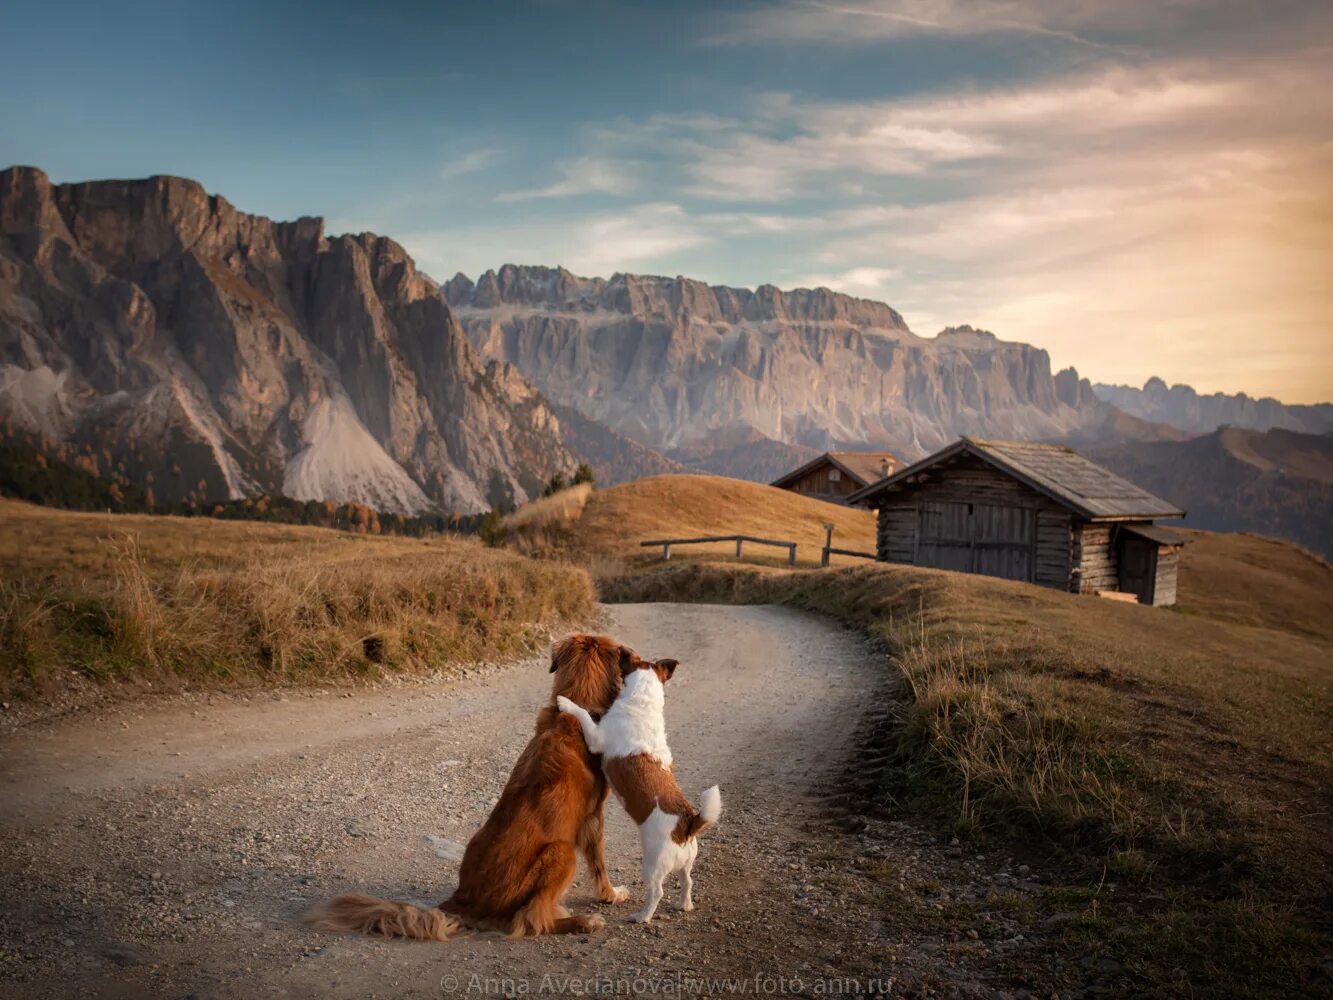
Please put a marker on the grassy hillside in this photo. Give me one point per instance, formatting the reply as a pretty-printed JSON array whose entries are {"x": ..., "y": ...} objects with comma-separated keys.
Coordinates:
[
  {"x": 1251, "y": 580},
  {"x": 1179, "y": 756},
  {"x": 604, "y": 527},
  {"x": 92, "y": 598}
]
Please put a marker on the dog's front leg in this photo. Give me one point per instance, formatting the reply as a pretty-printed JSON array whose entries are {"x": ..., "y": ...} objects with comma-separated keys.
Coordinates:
[{"x": 594, "y": 852}]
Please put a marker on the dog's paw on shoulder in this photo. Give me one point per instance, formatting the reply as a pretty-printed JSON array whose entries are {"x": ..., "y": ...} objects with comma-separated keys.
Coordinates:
[{"x": 564, "y": 704}]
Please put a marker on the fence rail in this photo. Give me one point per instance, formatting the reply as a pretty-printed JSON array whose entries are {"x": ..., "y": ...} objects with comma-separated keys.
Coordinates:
[
  {"x": 740, "y": 540},
  {"x": 828, "y": 550}
]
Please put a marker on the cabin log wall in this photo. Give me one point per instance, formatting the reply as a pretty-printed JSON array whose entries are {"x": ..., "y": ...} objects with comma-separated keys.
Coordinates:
[
  {"x": 1095, "y": 558},
  {"x": 896, "y": 533},
  {"x": 970, "y": 480},
  {"x": 817, "y": 484}
]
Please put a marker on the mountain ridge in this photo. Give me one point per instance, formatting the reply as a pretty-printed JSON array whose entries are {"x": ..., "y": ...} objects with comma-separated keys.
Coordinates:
[
  {"x": 213, "y": 353},
  {"x": 672, "y": 362},
  {"x": 1182, "y": 406}
]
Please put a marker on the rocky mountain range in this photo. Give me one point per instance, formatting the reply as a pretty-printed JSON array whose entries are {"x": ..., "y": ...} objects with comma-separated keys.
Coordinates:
[
  {"x": 155, "y": 334},
  {"x": 1181, "y": 406},
  {"x": 673, "y": 363}
]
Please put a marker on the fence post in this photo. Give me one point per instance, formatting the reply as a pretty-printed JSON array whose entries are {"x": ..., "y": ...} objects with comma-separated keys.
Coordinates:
[
  {"x": 791, "y": 554},
  {"x": 739, "y": 542},
  {"x": 666, "y": 551},
  {"x": 828, "y": 544}
]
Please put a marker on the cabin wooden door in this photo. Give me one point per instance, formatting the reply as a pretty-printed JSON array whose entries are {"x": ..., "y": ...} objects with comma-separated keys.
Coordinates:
[
  {"x": 1137, "y": 566},
  {"x": 944, "y": 536},
  {"x": 977, "y": 538}
]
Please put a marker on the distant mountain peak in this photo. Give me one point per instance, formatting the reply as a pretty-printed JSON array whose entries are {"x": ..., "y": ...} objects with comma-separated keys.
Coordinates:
[{"x": 1182, "y": 406}]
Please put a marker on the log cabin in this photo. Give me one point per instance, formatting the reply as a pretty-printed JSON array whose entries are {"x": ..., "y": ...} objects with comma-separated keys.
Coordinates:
[
  {"x": 836, "y": 475},
  {"x": 1036, "y": 512}
]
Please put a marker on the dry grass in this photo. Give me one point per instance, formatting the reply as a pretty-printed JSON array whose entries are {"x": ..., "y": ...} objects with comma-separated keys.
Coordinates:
[
  {"x": 1257, "y": 581},
  {"x": 1017, "y": 688},
  {"x": 175, "y": 601},
  {"x": 1184, "y": 754},
  {"x": 543, "y": 527},
  {"x": 605, "y": 527}
]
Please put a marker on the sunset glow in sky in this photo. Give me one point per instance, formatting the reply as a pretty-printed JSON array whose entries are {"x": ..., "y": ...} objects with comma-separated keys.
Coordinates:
[{"x": 1142, "y": 187}]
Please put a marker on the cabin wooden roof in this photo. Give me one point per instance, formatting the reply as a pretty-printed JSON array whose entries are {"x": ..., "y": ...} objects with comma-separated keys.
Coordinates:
[
  {"x": 1156, "y": 533},
  {"x": 862, "y": 466},
  {"x": 1061, "y": 473}
]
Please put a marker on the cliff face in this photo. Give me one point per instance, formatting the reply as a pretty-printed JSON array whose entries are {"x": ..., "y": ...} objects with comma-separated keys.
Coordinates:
[
  {"x": 1181, "y": 406},
  {"x": 208, "y": 353},
  {"x": 673, "y": 362}
]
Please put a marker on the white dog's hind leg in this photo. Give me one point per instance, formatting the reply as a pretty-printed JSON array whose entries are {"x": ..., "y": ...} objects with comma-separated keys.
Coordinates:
[
  {"x": 687, "y": 887},
  {"x": 658, "y": 859}
]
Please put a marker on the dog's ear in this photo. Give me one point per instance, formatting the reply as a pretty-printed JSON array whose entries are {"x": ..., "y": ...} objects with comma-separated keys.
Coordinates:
[
  {"x": 666, "y": 668},
  {"x": 627, "y": 658}
]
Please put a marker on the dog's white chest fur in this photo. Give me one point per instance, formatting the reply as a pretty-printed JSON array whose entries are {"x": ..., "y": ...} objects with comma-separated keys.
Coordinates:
[{"x": 636, "y": 721}]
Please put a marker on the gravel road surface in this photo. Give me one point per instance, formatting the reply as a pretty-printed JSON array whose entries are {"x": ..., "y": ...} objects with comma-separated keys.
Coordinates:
[{"x": 168, "y": 850}]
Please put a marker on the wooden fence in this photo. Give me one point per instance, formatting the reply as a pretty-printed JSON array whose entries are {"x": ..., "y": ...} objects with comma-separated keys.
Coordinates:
[
  {"x": 740, "y": 540},
  {"x": 828, "y": 550}
]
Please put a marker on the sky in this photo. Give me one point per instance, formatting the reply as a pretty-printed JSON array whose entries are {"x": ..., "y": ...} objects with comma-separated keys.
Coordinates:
[{"x": 1142, "y": 187}]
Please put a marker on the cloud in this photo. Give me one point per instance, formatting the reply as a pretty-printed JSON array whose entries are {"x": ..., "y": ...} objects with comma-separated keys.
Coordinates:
[
  {"x": 794, "y": 151},
  {"x": 610, "y": 241},
  {"x": 863, "y": 282},
  {"x": 598, "y": 243},
  {"x": 583, "y": 175},
  {"x": 468, "y": 163},
  {"x": 860, "y": 22}
]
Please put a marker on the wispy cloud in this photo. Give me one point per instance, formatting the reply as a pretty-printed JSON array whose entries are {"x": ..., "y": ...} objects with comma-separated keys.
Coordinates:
[
  {"x": 596, "y": 243},
  {"x": 859, "y": 22},
  {"x": 864, "y": 282},
  {"x": 582, "y": 175},
  {"x": 793, "y": 148},
  {"x": 468, "y": 163}
]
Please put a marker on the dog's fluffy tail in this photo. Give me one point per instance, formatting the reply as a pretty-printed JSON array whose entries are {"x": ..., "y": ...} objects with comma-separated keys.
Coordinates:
[
  {"x": 710, "y": 811},
  {"x": 364, "y": 914}
]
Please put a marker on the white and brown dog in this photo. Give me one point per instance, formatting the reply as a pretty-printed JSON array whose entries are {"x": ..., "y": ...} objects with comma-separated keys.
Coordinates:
[{"x": 637, "y": 761}]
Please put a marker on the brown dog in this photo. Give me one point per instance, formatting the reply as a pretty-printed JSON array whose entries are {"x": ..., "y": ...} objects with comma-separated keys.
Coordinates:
[{"x": 519, "y": 865}]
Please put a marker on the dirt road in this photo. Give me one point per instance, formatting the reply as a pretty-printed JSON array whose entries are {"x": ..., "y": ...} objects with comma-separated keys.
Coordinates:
[{"x": 169, "y": 850}]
